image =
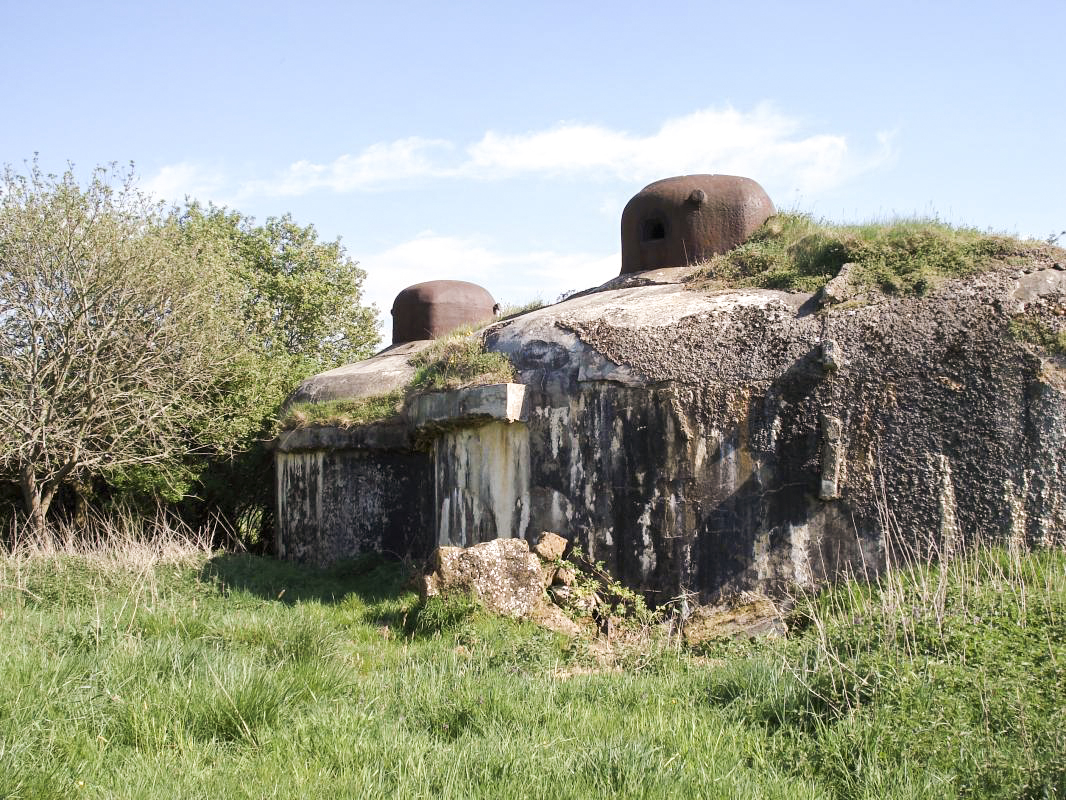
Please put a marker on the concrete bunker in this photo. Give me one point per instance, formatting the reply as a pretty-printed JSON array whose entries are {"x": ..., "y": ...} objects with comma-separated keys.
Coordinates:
[
  {"x": 710, "y": 441},
  {"x": 687, "y": 219}
]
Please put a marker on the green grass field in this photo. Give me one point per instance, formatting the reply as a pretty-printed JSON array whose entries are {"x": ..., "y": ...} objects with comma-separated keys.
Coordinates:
[{"x": 133, "y": 672}]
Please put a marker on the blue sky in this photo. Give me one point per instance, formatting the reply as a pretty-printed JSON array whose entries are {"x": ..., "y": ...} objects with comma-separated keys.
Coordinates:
[{"x": 498, "y": 142}]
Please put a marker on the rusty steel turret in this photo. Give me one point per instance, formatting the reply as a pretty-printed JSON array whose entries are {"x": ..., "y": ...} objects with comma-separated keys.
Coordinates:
[
  {"x": 684, "y": 220},
  {"x": 431, "y": 309}
]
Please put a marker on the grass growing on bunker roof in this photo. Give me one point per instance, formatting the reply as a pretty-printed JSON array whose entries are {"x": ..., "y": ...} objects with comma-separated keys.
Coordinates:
[
  {"x": 344, "y": 413},
  {"x": 906, "y": 256},
  {"x": 458, "y": 360},
  {"x": 454, "y": 361}
]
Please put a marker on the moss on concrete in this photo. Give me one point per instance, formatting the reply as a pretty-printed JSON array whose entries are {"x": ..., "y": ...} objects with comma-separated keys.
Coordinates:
[
  {"x": 344, "y": 413},
  {"x": 1037, "y": 332}
]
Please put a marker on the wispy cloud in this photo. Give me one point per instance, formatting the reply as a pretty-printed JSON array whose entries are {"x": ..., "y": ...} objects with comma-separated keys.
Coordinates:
[
  {"x": 510, "y": 277},
  {"x": 762, "y": 143},
  {"x": 175, "y": 182},
  {"x": 377, "y": 165}
]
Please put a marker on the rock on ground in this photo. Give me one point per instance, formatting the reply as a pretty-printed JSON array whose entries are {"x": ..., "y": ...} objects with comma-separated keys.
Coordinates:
[
  {"x": 748, "y": 616},
  {"x": 502, "y": 574}
]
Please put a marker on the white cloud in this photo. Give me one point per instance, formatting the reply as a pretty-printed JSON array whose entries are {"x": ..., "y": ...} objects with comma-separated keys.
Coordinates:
[
  {"x": 175, "y": 182},
  {"x": 509, "y": 277},
  {"x": 763, "y": 143},
  {"x": 385, "y": 162}
]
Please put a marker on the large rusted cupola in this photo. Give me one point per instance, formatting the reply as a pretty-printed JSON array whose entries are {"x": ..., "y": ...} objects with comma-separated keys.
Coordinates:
[
  {"x": 684, "y": 220},
  {"x": 431, "y": 309}
]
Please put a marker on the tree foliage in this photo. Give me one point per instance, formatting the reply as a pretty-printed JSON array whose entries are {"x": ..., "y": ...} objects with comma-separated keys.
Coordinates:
[
  {"x": 113, "y": 337},
  {"x": 300, "y": 305},
  {"x": 144, "y": 349},
  {"x": 300, "y": 297}
]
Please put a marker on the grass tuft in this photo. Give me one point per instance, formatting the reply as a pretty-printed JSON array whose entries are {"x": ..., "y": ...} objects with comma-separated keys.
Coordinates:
[
  {"x": 344, "y": 413},
  {"x": 458, "y": 360},
  {"x": 907, "y": 256},
  {"x": 512, "y": 310},
  {"x": 439, "y": 614}
]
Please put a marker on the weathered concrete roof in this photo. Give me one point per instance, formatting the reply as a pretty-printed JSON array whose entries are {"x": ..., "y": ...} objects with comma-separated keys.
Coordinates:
[
  {"x": 596, "y": 331},
  {"x": 639, "y": 329},
  {"x": 384, "y": 372}
]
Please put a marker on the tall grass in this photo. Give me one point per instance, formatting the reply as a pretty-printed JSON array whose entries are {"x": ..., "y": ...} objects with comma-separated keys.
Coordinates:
[
  {"x": 148, "y": 670},
  {"x": 121, "y": 537},
  {"x": 946, "y": 671}
]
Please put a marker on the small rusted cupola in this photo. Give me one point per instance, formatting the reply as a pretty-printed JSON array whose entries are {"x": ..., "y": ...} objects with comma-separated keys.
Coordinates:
[
  {"x": 685, "y": 220},
  {"x": 431, "y": 309}
]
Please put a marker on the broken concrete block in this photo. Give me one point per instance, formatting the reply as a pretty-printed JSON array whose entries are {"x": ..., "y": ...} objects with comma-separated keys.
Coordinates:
[
  {"x": 502, "y": 574},
  {"x": 550, "y": 546}
]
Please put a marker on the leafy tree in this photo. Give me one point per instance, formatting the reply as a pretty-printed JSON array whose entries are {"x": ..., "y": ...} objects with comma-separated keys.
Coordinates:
[
  {"x": 145, "y": 351},
  {"x": 300, "y": 298},
  {"x": 114, "y": 341},
  {"x": 300, "y": 304}
]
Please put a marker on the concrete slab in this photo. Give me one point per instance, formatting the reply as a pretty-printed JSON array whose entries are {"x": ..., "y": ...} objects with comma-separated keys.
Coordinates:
[{"x": 500, "y": 401}]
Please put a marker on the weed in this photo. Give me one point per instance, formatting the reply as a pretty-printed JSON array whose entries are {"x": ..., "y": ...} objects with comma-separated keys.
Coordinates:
[
  {"x": 457, "y": 360},
  {"x": 596, "y": 593},
  {"x": 344, "y": 413},
  {"x": 902, "y": 256}
]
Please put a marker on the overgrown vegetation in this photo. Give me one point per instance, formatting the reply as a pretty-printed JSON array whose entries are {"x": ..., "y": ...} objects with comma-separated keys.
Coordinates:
[
  {"x": 344, "y": 413},
  {"x": 457, "y": 360},
  {"x": 144, "y": 351},
  {"x": 1035, "y": 331},
  {"x": 135, "y": 670},
  {"x": 901, "y": 256}
]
